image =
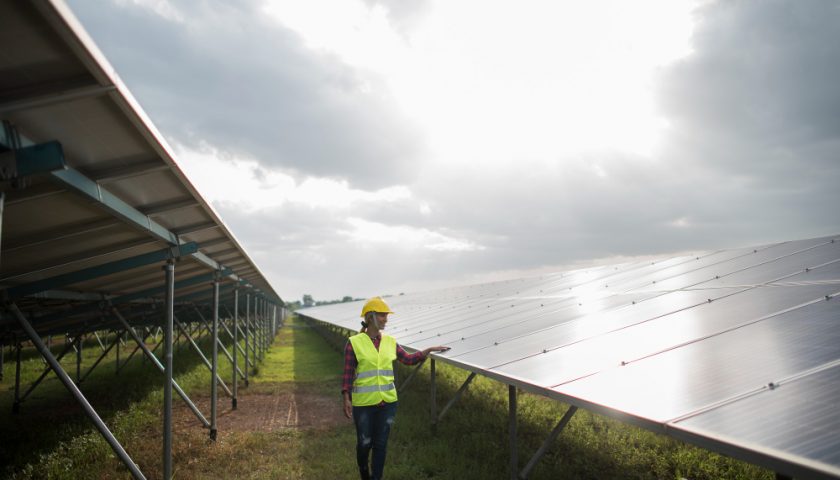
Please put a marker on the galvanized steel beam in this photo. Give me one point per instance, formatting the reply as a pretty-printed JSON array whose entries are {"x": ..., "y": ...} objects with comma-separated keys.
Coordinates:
[
  {"x": 248, "y": 363},
  {"x": 433, "y": 396},
  {"x": 410, "y": 377},
  {"x": 235, "y": 346},
  {"x": 457, "y": 396},
  {"x": 102, "y": 356},
  {"x": 101, "y": 270},
  {"x": 114, "y": 205},
  {"x": 68, "y": 383},
  {"x": 19, "y": 399},
  {"x": 2, "y": 209},
  {"x": 160, "y": 366},
  {"x": 16, "y": 404},
  {"x": 131, "y": 355},
  {"x": 201, "y": 355},
  {"x": 523, "y": 475},
  {"x": 215, "y": 360},
  {"x": 169, "y": 318},
  {"x": 514, "y": 458}
]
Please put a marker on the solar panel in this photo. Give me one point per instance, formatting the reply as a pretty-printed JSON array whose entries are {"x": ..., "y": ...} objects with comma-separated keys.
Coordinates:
[{"x": 735, "y": 350}]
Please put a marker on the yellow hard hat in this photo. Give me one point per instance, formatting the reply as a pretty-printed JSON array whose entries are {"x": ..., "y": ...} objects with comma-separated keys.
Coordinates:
[{"x": 375, "y": 304}]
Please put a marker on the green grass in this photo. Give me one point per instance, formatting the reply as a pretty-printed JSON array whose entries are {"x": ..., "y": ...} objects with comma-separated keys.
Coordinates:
[{"x": 471, "y": 442}]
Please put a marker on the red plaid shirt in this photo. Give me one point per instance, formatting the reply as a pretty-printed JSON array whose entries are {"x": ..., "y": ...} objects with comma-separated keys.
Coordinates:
[{"x": 350, "y": 361}]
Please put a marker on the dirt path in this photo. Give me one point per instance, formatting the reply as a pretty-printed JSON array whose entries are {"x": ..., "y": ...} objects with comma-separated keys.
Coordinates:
[{"x": 263, "y": 412}]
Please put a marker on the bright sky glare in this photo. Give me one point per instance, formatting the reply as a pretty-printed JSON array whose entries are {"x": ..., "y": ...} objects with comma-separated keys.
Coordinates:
[
  {"x": 533, "y": 76},
  {"x": 449, "y": 142}
]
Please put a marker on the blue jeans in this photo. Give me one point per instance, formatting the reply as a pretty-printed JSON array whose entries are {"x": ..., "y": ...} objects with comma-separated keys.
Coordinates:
[{"x": 373, "y": 424}]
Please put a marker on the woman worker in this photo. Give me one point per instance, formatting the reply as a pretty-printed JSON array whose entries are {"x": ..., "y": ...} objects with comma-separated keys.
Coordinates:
[{"x": 370, "y": 396}]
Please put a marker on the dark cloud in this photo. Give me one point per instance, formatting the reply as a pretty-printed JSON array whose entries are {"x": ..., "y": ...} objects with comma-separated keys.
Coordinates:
[
  {"x": 234, "y": 78},
  {"x": 752, "y": 154},
  {"x": 755, "y": 111},
  {"x": 763, "y": 74}
]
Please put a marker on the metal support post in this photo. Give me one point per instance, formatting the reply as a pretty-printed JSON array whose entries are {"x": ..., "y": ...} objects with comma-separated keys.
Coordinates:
[
  {"x": 169, "y": 314},
  {"x": 215, "y": 360},
  {"x": 258, "y": 329},
  {"x": 235, "y": 345},
  {"x": 457, "y": 396},
  {"x": 159, "y": 365},
  {"x": 68, "y": 383},
  {"x": 266, "y": 328},
  {"x": 410, "y": 377},
  {"x": 547, "y": 443},
  {"x": 433, "y": 395},
  {"x": 78, "y": 358},
  {"x": 16, "y": 405},
  {"x": 256, "y": 337},
  {"x": 514, "y": 459},
  {"x": 263, "y": 333},
  {"x": 117, "y": 363},
  {"x": 247, "y": 323},
  {"x": 2, "y": 209}
]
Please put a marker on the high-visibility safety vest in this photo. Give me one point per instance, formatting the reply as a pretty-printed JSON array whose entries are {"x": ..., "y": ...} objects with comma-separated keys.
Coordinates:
[{"x": 374, "y": 382}]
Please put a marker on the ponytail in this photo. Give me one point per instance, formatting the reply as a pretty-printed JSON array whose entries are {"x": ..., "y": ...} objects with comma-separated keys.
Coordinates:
[{"x": 369, "y": 317}]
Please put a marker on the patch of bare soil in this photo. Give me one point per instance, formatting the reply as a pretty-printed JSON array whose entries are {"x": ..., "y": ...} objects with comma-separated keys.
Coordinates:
[{"x": 263, "y": 412}]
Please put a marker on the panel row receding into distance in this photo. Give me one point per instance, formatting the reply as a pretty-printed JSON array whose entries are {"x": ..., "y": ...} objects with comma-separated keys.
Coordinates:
[
  {"x": 113, "y": 194},
  {"x": 736, "y": 350}
]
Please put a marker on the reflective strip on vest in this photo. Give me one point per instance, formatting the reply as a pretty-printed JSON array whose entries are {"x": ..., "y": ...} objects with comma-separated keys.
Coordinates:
[
  {"x": 374, "y": 382},
  {"x": 374, "y": 388},
  {"x": 373, "y": 373}
]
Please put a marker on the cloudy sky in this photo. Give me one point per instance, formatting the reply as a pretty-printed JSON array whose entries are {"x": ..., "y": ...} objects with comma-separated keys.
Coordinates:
[{"x": 361, "y": 147}]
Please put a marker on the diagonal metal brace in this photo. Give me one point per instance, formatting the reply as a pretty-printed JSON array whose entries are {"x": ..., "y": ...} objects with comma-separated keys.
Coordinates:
[
  {"x": 203, "y": 357},
  {"x": 160, "y": 367},
  {"x": 457, "y": 396},
  {"x": 74, "y": 390},
  {"x": 98, "y": 360},
  {"x": 136, "y": 349},
  {"x": 98, "y": 339},
  {"x": 16, "y": 405},
  {"x": 523, "y": 475},
  {"x": 410, "y": 377},
  {"x": 224, "y": 349}
]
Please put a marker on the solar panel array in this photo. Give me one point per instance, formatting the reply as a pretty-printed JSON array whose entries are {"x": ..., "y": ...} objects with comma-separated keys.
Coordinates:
[
  {"x": 81, "y": 234},
  {"x": 735, "y": 350}
]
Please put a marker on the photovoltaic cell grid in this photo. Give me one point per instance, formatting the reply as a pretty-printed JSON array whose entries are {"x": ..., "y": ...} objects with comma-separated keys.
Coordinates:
[{"x": 735, "y": 350}]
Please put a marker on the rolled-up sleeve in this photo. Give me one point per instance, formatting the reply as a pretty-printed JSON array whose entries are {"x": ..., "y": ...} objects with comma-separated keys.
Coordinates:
[
  {"x": 350, "y": 364},
  {"x": 409, "y": 358}
]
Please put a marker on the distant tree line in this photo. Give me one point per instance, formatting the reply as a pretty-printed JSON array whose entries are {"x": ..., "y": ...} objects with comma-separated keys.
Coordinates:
[{"x": 308, "y": 301}]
